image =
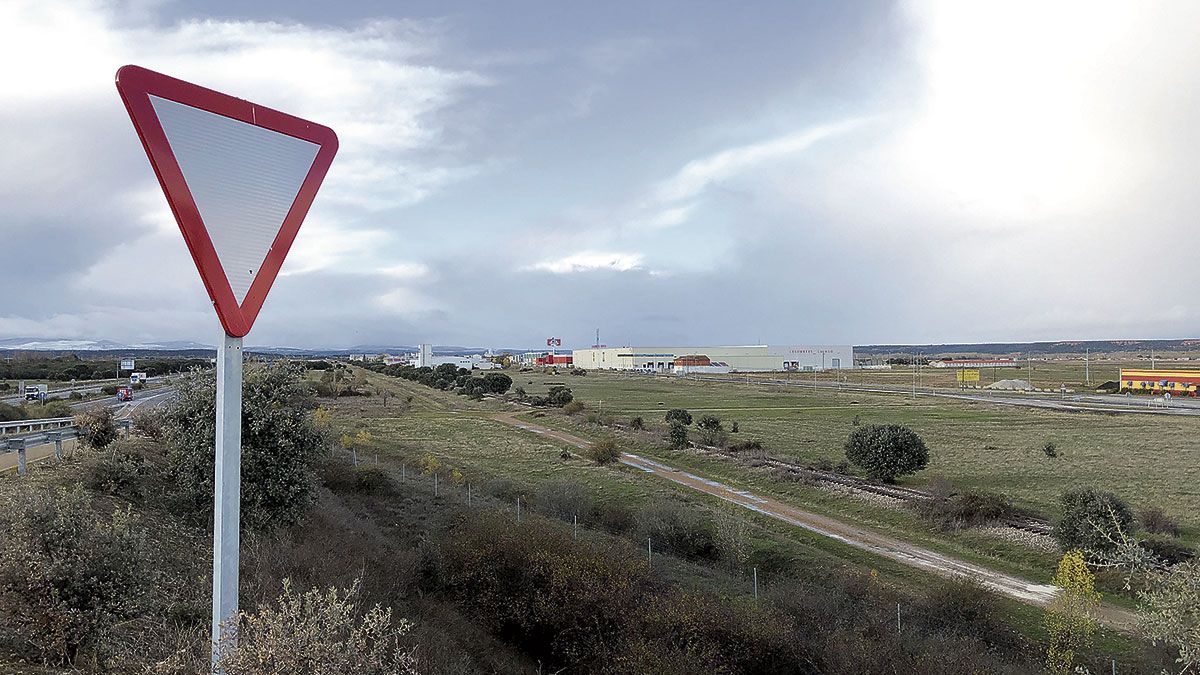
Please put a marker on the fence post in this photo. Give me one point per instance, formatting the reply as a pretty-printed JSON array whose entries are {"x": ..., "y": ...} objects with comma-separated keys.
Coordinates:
[
  {"x": 755, "y": 583},
  {"x": 435, "y": 484},
  {"x": 649, "y": 554},
  {"x": 897, "y": 618},
  {"x": 575, "y": 527},
  {"x": 468, "y": 494},
  {"x": 354, "y": 456},
  {"x": 403, "y": 470},
  {"x": 518, "y": 510}
]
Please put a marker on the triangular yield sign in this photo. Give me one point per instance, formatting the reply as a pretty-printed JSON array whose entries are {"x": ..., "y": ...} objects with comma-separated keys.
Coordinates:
[{"x": 239, "y": 178}]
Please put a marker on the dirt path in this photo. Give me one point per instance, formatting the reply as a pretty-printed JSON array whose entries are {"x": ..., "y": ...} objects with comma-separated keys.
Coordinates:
[{"x": 852, "y": 535}]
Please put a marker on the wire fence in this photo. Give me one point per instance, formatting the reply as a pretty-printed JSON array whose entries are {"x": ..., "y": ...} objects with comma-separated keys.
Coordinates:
[{"x": 906, "y": 619}]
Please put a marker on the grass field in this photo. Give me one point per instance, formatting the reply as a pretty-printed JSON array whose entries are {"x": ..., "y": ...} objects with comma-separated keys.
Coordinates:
[
  {"x": 420, "y": 423},
  {"x": 1149, "y": 460}
]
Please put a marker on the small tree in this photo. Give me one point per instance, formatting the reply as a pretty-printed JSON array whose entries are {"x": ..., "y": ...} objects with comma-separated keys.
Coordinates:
[
  {"x": 573, "y": 407},
  {"x": 885, "y": 451},
  {"x": 679, "y": 416},
  {"x": 1070, "y": 619},
  {"x": 559, "y": 396},
  {"x": 1092, "y": 520},
  {"x": 637, "y": 423},
  {"x": 280, "y": 443},
  {"x": 677, "y": 435},
  {"x": 605, "y": 451}
]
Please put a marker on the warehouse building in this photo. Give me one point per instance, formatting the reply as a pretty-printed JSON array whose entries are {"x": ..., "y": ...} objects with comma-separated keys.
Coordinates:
[
  {"x": 749, "y": 358},
  {"x": 1174, "y": 382}
]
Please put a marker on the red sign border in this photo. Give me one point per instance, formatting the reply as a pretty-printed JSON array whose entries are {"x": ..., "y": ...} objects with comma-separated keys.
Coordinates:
[{"x": 136, "y": 85}]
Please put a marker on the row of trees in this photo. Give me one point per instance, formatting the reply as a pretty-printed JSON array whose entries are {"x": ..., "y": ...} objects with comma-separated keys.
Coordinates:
[
  {"x": 66, "y": 368},
  {"x": 449, "y": 377}
]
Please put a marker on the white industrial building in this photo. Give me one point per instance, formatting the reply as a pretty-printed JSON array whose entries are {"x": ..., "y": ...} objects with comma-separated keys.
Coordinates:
[
  {"x": 748, "y": 358},
  {"x": 424, "y": 358}
]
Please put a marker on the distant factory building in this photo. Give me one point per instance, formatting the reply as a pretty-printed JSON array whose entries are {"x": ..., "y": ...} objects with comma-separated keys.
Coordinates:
[
  {"x": 1175, "y": 382},
  {"x": 749, "y": 358},
  {"x": 424, "y": 358},
  {"x": 973, "y": 363}
]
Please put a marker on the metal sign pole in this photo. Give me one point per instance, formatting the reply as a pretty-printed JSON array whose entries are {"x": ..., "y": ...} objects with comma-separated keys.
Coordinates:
[{"x": 227, "y": 495}]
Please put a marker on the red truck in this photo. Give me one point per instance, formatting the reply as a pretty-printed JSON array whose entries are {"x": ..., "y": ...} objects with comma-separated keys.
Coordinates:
[{"x": 124, "y": 393}]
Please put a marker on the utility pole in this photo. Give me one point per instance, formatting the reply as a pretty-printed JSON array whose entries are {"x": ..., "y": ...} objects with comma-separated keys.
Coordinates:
[{"x": 1087, "y": 367}]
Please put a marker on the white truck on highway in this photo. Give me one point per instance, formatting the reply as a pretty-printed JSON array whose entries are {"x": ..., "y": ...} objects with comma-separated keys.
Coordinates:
[{"x": 36, "y": 392}]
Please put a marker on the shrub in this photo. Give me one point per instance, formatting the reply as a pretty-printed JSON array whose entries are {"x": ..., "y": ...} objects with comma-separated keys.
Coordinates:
[
  {"x": 680, "y": 529},
  {"x": 319, "y": 633},
  {"x": 1092, "y": 520},
  {"x": 637, "y": 424},
  {"x": 885, "y": 451},
  {"x": 1156, "y": 521},
  {"x": 615, "y": 517},
  {"x": 563, "y": 499},
  {"x": 12, "y": 413},
  {"x": 372, "y": 479},
  {"x": 709, "y": 423},
  {"x": 969, "y": 509},
  {"x": 677, "y": 436},
  {"x": 148, "y": 423},
  {"x": 679, "y": 416},
  {"x": 120, "y": 472},
  {"x": 965, "y": 607},
  {"x": 497, "y": 383},
  {"x": 604, "y": 451},
  {"x": 75, "y": 396},
  {"x": 501, "y": 488},
  {"x": 97, "y": 427},
  {"x": 280, "y": 444},
  {"x": 559, "y": 396},
  {"x": 733, "y": 428},
  {"x": 1051, "y": 449},
  {"x": 573, "y": 407},
  {"x": 67, "y": 575},
  {"x": 1168, "y": 551},
  {"x": 110, "y": 389}
]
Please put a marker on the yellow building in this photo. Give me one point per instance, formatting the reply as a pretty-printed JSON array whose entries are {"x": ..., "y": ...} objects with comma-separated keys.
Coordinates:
[{"x": 1177, "y": 382}]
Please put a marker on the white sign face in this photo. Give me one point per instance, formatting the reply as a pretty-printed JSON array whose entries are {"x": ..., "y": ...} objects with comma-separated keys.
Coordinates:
[
  {"x": 243, "y": 179},
  {"x": 126, "y": 364}
]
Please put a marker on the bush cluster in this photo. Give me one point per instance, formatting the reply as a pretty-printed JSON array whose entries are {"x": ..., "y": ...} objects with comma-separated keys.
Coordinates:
[
  {"x": 968, "y": 509},
  {"x": 67, "y": 576},
  {"x": 1092, "y": 520},
  {"x": 280, "y": 444}
]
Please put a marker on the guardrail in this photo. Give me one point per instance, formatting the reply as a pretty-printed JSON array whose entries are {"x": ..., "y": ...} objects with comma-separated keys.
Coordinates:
[
  {"x": 17, "y": 426},
  {"x": 56, "y": 436}
]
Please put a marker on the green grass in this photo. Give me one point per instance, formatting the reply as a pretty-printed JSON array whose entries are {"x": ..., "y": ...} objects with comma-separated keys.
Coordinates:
[
  {"x": 462, "y": 436},
  {"x": 1149, "y": 460}
]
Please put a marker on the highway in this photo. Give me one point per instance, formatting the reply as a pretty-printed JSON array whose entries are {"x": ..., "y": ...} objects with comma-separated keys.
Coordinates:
[
  {"x": 44, "y": 447},
  {"x": 92, "y": 387}
]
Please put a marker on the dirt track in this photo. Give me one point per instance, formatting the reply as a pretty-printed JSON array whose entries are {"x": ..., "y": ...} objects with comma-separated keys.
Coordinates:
[{"x": 849, "y": 534}]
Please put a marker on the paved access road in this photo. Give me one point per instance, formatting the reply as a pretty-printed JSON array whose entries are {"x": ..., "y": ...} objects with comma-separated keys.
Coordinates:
[{"x": 850, "y": 534}]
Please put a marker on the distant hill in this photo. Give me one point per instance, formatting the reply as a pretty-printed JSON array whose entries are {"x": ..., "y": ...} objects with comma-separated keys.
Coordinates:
[
  {"x": 108, "y": 348},
  {"x": 1188, "y": 346}
]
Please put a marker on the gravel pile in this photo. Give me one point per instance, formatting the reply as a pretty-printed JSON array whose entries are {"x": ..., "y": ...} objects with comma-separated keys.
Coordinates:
[{"x": 1011, "y": 385}]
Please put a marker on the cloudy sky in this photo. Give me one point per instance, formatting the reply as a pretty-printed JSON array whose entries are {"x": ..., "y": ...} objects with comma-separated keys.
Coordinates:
[{"x": 667, "y": 172}]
